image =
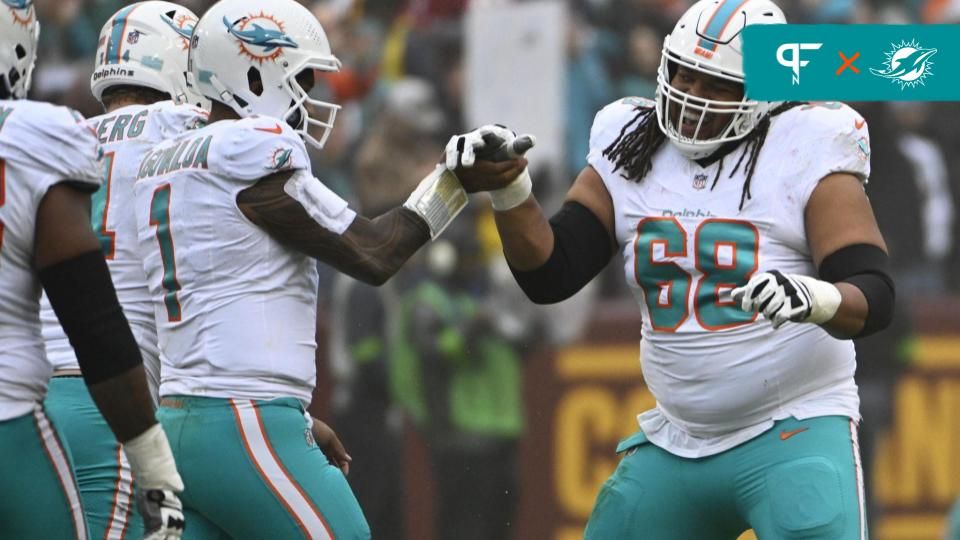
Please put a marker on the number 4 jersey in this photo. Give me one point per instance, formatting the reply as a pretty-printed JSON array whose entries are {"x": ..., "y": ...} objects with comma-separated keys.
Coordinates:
[
  {"x": 722, "y": 376},
  {"x": 126, "y": 134},
  {"x": 41, "y": 145}
]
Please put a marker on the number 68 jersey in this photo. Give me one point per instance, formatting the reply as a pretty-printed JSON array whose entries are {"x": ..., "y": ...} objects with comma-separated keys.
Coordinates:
[{"x": 722, "y": 376}]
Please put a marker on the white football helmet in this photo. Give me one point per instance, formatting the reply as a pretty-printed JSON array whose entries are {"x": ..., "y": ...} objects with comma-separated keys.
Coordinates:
[
  {"x": 146, "y": 44},
  {"x": 19, "y": 32},
  {"x": 240, "y": 42},
  {"x": 708, "y": 38}
]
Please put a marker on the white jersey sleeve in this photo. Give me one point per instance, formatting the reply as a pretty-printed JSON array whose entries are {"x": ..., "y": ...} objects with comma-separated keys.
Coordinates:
[
  {"x": 830, "y": 138},
  {"x": 54, "y": 142},
  {"x": 257, "y": 147},
  {"x": 261, "y": 146},
  {"x": 607, "y": 126}
]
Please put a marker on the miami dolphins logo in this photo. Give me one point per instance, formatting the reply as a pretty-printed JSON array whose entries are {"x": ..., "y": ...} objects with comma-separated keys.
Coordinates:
[
  {"x": 281, "y": 158},
  {"x": 23, "y": 19},
  {"x": 908, "y": 64},
  {"x": 183, "y": 26},
  {"x": 260, "y": 37}
]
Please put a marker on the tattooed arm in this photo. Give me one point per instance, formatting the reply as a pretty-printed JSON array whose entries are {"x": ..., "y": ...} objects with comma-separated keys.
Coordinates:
[{"x": 369, "y": 250}]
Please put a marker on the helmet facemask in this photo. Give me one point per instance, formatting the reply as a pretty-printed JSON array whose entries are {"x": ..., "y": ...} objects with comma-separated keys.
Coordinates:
[
  {"x": 685, "y": 118},
  {"x": 306, "y": 112}
]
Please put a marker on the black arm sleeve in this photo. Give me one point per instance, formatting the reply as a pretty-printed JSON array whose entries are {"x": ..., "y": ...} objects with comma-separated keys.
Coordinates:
[
  {"x": 581, "y": 249},
  {"x": 865, "y": 267},
  {"x": 82, "y": 295}
]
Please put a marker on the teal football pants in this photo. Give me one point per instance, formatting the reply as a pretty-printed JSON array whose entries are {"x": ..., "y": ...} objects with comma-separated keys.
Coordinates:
[
  {"x": 102, "y": 472},
  {"x": 38, "y": 494},
  {"x": 799, "y": 480},
  {"x": 252, "y": 471}
]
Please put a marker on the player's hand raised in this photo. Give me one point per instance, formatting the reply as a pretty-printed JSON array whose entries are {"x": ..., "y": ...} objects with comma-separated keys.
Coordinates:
[
  {"x": 492, "y": 142},
  {"x": 162, "y": 514}
]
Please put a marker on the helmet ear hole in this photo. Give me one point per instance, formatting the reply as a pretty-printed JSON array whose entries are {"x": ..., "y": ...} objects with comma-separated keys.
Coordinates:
[
  {"x": 254, "y": 82},
  {"x": 21, "y": 52}
]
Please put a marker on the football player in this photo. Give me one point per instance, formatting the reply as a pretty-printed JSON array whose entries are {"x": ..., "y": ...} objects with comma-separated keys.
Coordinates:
[
  {"x": 231, "y": 225},
  {"x": 50, "y": 163},
  {"x": 140, "y": 79},
  {"x": 755, "y": 257}
]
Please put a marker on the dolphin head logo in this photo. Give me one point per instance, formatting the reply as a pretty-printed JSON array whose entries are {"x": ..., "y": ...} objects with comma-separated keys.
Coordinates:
[
  {"x": 186, "y": 32},
  {"x": 281, "y": 158},
  {"x": 908, "y": 64},
  {"x": 18, "y": 4},
  {"x": 260, "y": 36}
]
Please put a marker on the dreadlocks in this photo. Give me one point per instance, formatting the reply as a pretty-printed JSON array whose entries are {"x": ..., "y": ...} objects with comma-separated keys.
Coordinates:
[{"x": 641, "y": 137}]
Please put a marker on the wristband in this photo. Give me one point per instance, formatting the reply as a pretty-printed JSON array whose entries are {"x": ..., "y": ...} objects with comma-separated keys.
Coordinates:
[
  {"x": 515, "y": 194},
  {"x": 151, "y": 460}
]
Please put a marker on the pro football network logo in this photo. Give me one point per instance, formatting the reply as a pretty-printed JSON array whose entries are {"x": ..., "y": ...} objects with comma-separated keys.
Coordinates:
[
  {"x": 794, "y": 62},
  {"x": 281, "y": 159},
  {"x": 260, "y": 37},
  {"x": 182, "y": 25},
  {"x": 22, "y": 11},
  {"x": 907, "y": 64}
]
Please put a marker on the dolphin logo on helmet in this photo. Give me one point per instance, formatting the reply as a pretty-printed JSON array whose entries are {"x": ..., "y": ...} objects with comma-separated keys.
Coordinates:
[
  {"x": 186, "y": 32},
  {"x": 260, "y": 36}
]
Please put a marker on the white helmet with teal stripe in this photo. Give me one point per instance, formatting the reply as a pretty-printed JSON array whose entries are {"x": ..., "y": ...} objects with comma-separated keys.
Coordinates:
[
  {"x": 248, "y": 54},
  {"x": 19, "y": 31},
  {"x": 708, "y": 39},
  {"x": 145, "y": 44}
]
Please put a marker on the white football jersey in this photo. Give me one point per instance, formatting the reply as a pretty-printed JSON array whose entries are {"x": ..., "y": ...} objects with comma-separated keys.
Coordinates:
[
  {"x": 125, "y": 134},
  {"x": 722, "y": 376},
  {"x": 40, "y": 145},
  {"x": 236, "y": 310}
]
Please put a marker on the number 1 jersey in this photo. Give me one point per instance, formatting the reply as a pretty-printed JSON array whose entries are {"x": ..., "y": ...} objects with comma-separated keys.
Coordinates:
[
  {"x": 722, "y": 376},
  {"x": 236, "y": 310}
]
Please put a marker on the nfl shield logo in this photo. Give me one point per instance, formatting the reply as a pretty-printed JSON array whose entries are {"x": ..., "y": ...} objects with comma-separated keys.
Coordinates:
[
  {"x": 699, "y": 181},
  {"x": 133, "y": 37}
]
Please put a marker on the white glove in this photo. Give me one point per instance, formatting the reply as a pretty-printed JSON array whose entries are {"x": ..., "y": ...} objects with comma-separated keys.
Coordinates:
[
  {"x": 491, "y": 142},
  {"x": 162, "y": 514},
  {"x": 789, "y": 297},
  {"x": 494, "y": 142},
  {"x": 158, "y": 483}
]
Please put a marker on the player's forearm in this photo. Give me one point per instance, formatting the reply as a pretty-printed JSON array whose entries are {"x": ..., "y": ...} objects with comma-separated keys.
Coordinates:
[
  {"x": 124, "y": 401},
  {"x": 851, "y": 315},
  {"x": 526, "y": 235},
  {"x": 374, "y": 250}
]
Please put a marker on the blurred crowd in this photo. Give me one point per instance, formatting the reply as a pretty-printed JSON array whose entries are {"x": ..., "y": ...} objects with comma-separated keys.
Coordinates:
[{"x": 441, "y": 346}]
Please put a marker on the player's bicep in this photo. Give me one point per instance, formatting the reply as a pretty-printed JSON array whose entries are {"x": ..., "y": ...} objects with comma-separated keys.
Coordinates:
[
  {"x": 63, "y": 229},
  {"x": 588, "y": 189},
  {"x": 838, "y": 215}
]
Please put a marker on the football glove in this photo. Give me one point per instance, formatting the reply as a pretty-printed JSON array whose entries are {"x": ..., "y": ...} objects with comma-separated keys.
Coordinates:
[
  {"x": 162, "y": 514},
  {"x": 788, "y": 297},
  {"x": 494, "y": 142},
  {"x": 158, "y": 483}
]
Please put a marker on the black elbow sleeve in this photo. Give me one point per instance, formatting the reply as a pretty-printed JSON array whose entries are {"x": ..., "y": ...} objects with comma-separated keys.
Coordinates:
[
  {"x": 82, "y": 295},
  {"x": 864, "y": 266},
  {"x": 581, "y": 249}
]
